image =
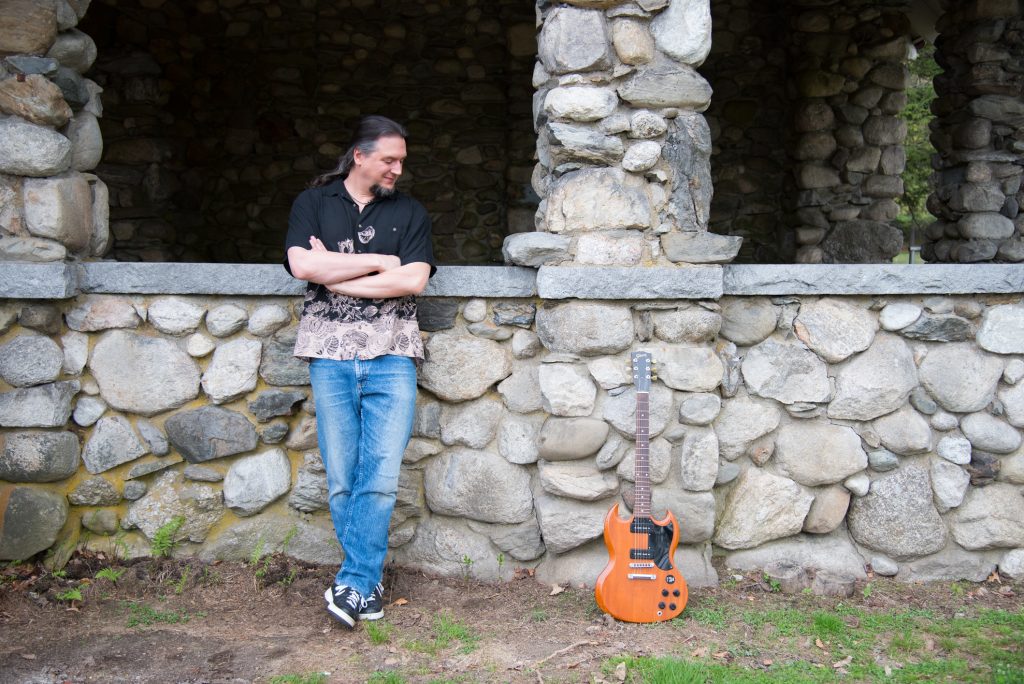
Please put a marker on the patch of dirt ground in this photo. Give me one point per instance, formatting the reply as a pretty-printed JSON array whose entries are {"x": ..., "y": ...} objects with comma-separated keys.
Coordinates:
[{"x": 180, "y": 620}]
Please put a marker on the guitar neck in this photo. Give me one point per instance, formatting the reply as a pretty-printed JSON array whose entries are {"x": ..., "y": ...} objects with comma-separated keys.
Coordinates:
[{"x": 642, "y": 465}]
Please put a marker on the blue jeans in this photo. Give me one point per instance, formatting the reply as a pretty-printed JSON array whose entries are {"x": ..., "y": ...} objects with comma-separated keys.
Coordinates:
[{"x": 364, "y": 417}]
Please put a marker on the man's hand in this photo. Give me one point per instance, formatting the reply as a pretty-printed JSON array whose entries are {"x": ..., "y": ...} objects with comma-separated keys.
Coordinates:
[{"x": 388, "y": 261}]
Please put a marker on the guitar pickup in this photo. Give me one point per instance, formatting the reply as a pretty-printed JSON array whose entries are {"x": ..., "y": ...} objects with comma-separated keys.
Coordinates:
[
  {"x": 641, "y": 565},
  {"x": 641, "y": 576}
]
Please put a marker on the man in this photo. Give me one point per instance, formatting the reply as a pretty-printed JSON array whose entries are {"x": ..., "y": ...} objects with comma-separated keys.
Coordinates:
[{"x": 365, "y": 250}]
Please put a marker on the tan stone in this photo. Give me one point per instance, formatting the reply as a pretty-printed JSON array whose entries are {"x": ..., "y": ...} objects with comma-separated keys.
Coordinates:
[
  {"x": 59, "y": 208},
  {"x": 633, "y": 43},
  {"x": 36, "y": 99},
  {"x": 27, "y": 26}
]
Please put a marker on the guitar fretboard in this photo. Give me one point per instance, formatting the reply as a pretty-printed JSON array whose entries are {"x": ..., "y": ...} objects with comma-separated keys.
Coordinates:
[{"x": 642, "y": 466}]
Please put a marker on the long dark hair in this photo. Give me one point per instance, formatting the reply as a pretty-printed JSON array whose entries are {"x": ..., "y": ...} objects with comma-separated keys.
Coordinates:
[{"x": 370, "y": 129}]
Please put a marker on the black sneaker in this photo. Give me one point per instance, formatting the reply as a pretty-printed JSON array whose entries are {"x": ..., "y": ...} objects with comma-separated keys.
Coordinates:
[
  {"x": 373, "y": 606},
  {"x": 344, "y": 604}
]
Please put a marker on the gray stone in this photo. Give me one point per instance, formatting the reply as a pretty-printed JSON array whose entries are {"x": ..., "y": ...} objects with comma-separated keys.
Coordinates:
[
  {"x": 566, "y": 389},
  {"x": 102, "y": 522},
  {"x": 268, "y": 319},
  {"x": 990, "y": 518},
  {"x": 761, "y": 507},
  {"x": 113, "y": 442},
  {"x": 689, "y": 369},
  {"x": 904, "y": 431},
  {"x": 254, "y": 482},
  {"x": 700, "y": 247},
  {"x": 699, "y": 409},
  {"x": 310, "y": 541},
  {"x": 40, "y": 406},
  {"x": 232, "y": 372},
  {"x": 939, "y": 328},
  {"x": 943, "y": 421},
  {"x": 200, "y": 473},
  {"x": 175, "y": 316},
  {"x": 577, "y": 480},
  {"x": 698, "y": 459},
  {"x": 522, "y": 542},
  {"x": 143, "y": 375},
  {"x": 272, "y": 403},
  {"x": 620, "y": 410},
  {"x": 644, "y": 124},
  {"x": 512, "y": 313},
  {"x": 862, "y": 242},
  {"x": 28, "y": 360},
  {"x": 580, "y": 143},
  {"x": 834, "y": 329},
  {"x": 859, "y": 484},
  {"x": 920, "y": 400},
  {"x": 521, "y": 390},
  {"x": 74, "y": 50},
  {"x": 875, "y": 382},
  {"x": 949, "y": 483},
  {"x": 438, "y": 314},
  {"x": 828, "y": 553},
  {"x": 884, "y": 566},
  {"x": 727, "y": 472},
  {"x": 144, "y": 468},
  {"x": 169, "y": 497},
  {"x": 279, "y": 365},
  {"x": 686, "y": 324},
  {"x": 525, "y": 344},
  {"x": 959, "y": 377},
  {"x": 950, "y": 564},
  {"x": 310, "y": 491},
  {"x": 786, "y": 372},
  {"x": 199, "y": 345},
  {"x": 473, "y": 423},
  {"x": 587, "y": 328},
  {"x": 101, "y": 312},
  {"x": 580, "y": 103},
  {"x": 27, "y": 149},
  {"x": 226, "y": 319},
  {"x": 479, "y": 485},
  {"x": 565, "y": 439},
  {"x": 954, "y": 449},
  {"x": 597, "y": 199},
  {"x": 86, "y": 142},
  {"x": 986, "y": 225},
  {"x": 612, "y": 453},
  {"x": 153, "y": 437},
  {"x": 1002, "y": 329},
  {"x": 1012, "y": 564},
  {"x": 518, "y": 438},
  {"x": 898, "y": 516},
  {"x": 441, "y": 544},
  {"x": 14, "y": 248},
  {"x": 1012, "y": 399},
  {"x": 664, "y": 83},
  {"x": 460, "y": 367},
  {"x": 623, "y": 282},
  {"x": 274, "y": 433},
  {"x": 850, "y": 279},
  {"x": 573, "y": 40},
  {"x": 816, "y": 453},
  {"x": 609, "y": 372},
  {"x": 76, "y": 351},
  {"x": 641, "y": 156},
  {"x": 742, "y": 422},
  {"x": 419, "y": 449},
  {"x": 612, "y": 247},
  {"x": 990, "y": 434},
  {"x": 827, "y": 511},
  {"x": 883, "y": 460},
  {"x": 566, "y": 523},
  {"x": 32, "y": 520},
  {"x": 210, "y": 432},
  {"x": 134, "y": 490},
  {"x": 683, "y": 31},
  {"x": 38, "y": 456},
  {"x": 748, "y": 320},
  {"x": 535, "y": 249}
]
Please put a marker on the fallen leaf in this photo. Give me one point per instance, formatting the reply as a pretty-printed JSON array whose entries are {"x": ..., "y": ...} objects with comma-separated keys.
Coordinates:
[
  {"x": 620, "y": 672},
  {"x": 699, "y": 652},
  {"x": 400, "y": 602},
  {"x": 720, "y": 655},
  {"x": 28, "y": 656},
  {"x": 817, "y": 642},
  {"x": 556, "y": 590},
  {"x": 844, "y": 662},
  {"x": 994, "y": 577},
  {"x": 767, "y": 661}
]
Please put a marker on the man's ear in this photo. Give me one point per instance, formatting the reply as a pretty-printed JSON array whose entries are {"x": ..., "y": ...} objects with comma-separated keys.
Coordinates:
[{"x": 358, "y": 156}]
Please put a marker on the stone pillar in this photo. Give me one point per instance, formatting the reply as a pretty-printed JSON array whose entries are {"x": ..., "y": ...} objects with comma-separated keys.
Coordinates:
[
  {"x": 623, "y": 148},
  {"x": 848, "y": 149},
  {"x": 979, "y": 134},
  {"x": 50, "y": 206}
]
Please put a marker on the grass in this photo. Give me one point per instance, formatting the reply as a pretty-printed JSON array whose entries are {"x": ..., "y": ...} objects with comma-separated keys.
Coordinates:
[
  {"x": 446, "y": 630},
  {"x": 794, "y": 645},
  {"x": 379, "y": 632},
  {"x": 141, "y": 614},
  {"x": 308, "y": 678}
]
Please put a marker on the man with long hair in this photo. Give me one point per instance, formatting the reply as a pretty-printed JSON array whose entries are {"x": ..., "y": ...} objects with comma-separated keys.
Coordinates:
[{"x": 365, "y": 250}]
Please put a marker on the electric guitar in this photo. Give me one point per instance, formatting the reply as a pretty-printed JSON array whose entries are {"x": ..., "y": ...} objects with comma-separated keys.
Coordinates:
[{"x": 640, "y": 584}]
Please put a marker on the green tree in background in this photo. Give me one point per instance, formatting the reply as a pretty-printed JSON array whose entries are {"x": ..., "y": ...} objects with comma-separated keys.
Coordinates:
[{"x": 917, "y": 177}]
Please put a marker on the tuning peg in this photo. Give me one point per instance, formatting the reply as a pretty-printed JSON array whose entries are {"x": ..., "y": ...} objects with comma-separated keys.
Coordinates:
[{"x": 654, "y": 376}]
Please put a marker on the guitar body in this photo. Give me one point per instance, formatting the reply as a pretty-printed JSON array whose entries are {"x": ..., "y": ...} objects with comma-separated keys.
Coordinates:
[{"x": 640, "y": 583}]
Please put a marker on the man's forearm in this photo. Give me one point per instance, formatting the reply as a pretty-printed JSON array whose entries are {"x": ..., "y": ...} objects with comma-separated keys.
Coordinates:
[
  {"x": 398, "y": 282},
  {"x": 332, "y": 267}
]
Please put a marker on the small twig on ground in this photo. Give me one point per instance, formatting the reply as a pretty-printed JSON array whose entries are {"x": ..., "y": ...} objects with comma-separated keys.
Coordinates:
[
  {"x": 540, "y": 680},
  {"x": 564, "y": 650}
]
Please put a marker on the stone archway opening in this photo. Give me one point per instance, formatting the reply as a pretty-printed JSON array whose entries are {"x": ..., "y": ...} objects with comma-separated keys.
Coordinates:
[{"x": 218, "y": 112}]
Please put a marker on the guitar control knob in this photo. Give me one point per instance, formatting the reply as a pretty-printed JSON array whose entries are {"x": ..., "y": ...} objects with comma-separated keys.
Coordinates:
[
  {"x": 675, "y": 593},
  {"x": 671, "y": 606},
  {"x": 662, "y": 605},
  {"x": 664, "y": 592},
  {"x": 671, "y": 579}
]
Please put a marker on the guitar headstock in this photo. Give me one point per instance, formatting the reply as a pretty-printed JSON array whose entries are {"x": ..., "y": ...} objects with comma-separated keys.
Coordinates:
[{"x": 642, "y": 369}]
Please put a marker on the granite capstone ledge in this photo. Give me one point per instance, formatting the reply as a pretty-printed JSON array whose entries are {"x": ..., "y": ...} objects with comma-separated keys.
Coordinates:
[
  {"x": 37, "y": 281},
  {"x": 604, "y": 282},
  {"x": 872, "y": 279}
]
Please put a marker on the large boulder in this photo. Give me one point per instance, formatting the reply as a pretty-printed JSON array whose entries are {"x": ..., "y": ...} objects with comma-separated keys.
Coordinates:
[
  {"x": 30, "y": 520},
  {"x": 38, "y": 456},
  {"x": 479, "y": 485},
  {"x": 898, "y": 516},
  {"x": 761, "y": 507},
  {"x": 959, "y": 377},
  {"x": 834, "y": 329},
  {"x": 210, "y": 432},
  {"x": 143, "y": 375},
  {"x": 587, "y": 328},
  {"x": 816, "y": 453},
  {"x": 787, "y": 372},
  {"x": 254, "y": 482},
  {"x": 875, "y": 382},
  {"x": 460, "y": 367}
]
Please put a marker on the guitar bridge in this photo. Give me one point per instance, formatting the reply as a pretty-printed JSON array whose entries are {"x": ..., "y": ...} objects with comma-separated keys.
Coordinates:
[
  {"x": 641, "y": 565},
  {"x": 641, "y": 576}
]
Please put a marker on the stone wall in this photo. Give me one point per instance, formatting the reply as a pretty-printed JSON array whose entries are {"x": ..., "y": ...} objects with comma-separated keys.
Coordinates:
[
  {"x": 834, "y": 430},
  {"x": 979, "y": 135},
  {"x": 218, "y": 113}
]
